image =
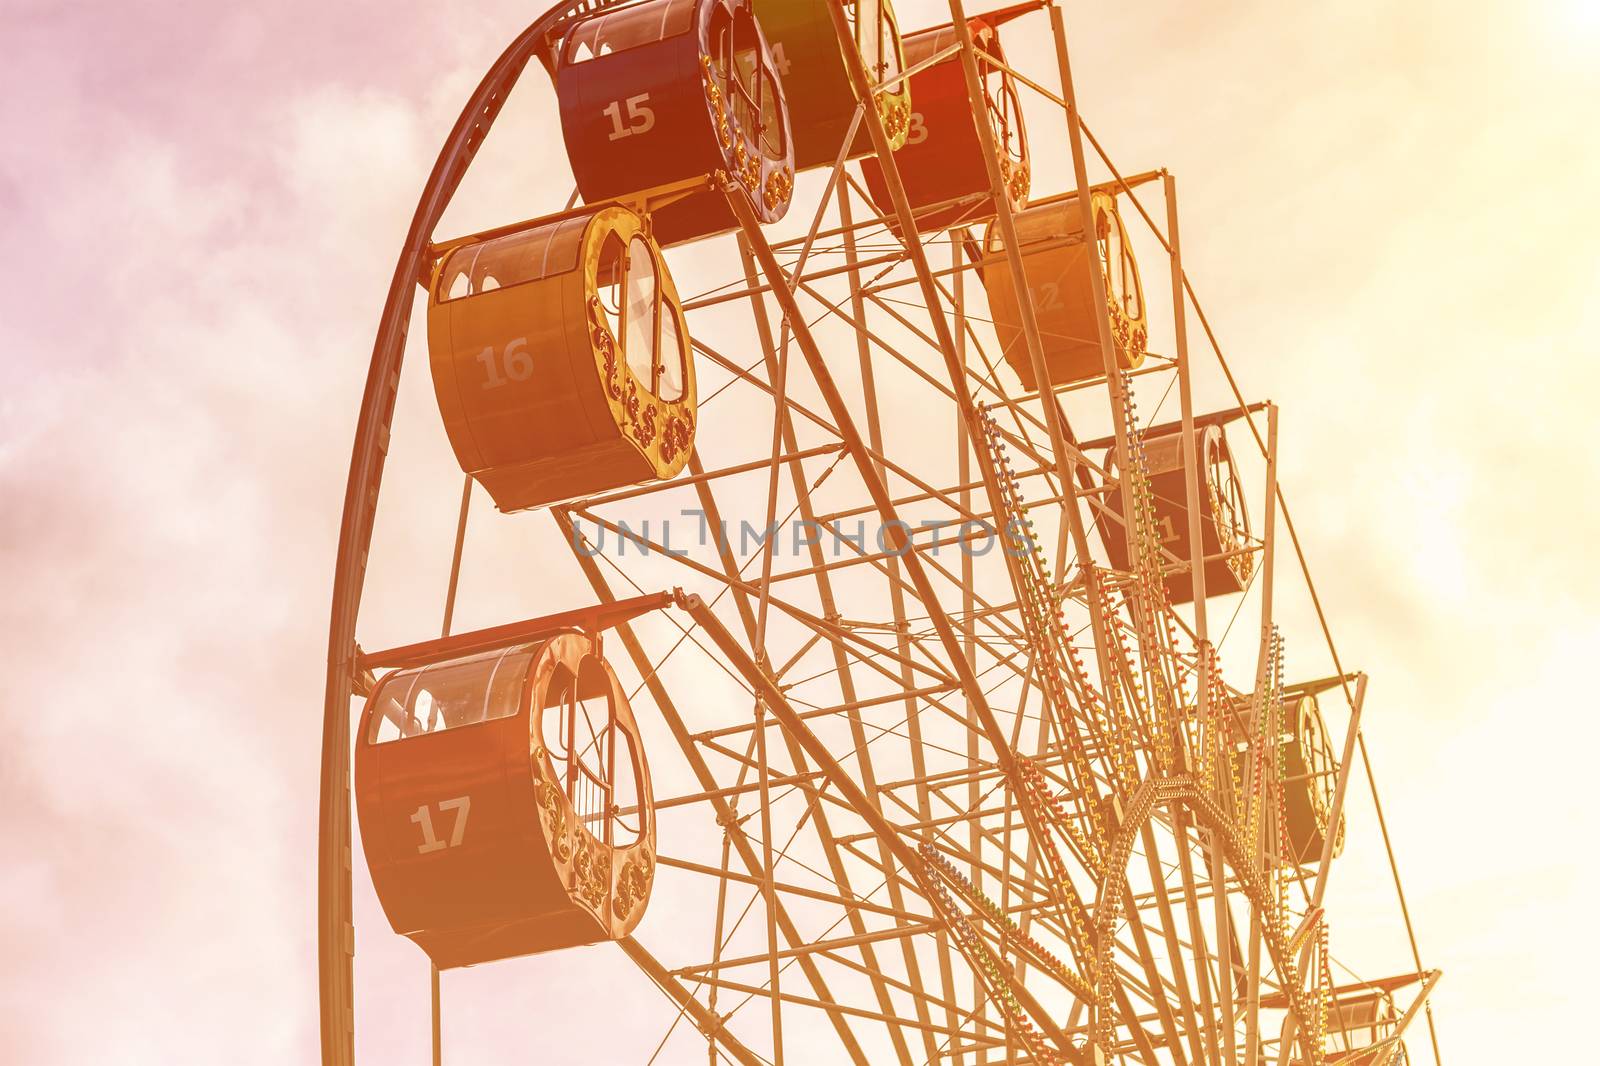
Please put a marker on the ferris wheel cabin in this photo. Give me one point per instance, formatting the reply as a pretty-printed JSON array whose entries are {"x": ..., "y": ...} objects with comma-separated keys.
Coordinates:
[
  {"x": 1364, "y": 1027},
  {"x": 1361, "y": 1023},
  {"x": 1224, "y": 519},
  {"x": 504, "y": 802},
  {"x": 1305, "y": 758},
  {"x": 657, "y": 97},
  {"x": 816, "y": 81},
  {"x": 561, "y": 359},
  {"x": 1057, "y": 262},
  {"x": 942, "y": 164}
]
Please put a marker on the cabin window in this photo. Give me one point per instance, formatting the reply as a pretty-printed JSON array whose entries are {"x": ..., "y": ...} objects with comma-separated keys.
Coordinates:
[
  {"x": 753, "y": 90},
  {"x": 513, "y": 259},
  {"x": 1132, "y": 298},
  {"x": 1110, "y": 255},
  {"x": 1227, "y": 494},
  {"x": 639, "y": 315},
  {"x": 1122, "y": 278},
  {"x": 594, "y": 760},
  {"x": 921, "y": 47},
  {"x": 673, "y": 357},
  {"x": 888, "y": 48},
  {"x": 869, "y": 39},
  {"x": 449, "y": 695},
  {"x": 1360, "y": 1023},
  {"x": 631, "y": 27},
  {"x": 608, "y": 280},
  {"x": 1000, "y": 94},
  {"x": 1010, "y": 122},
  {"x": 772, "y": 133},
  {"x": 721, "y": 38},
  {"x": 1319, "y": 760},
  {"x": 747, "y": 84},
  {"x": 631, "y": 300},
  {"x": 1038, "y": 225},
  {"x": 627, "y": 820}
]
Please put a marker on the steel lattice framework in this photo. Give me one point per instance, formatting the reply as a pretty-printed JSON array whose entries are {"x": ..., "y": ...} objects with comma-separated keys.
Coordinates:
[{"x": 940, "y": 804}]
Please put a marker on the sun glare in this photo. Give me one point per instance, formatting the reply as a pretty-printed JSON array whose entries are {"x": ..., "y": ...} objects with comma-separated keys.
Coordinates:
[{"x": 1582, "y": 15}]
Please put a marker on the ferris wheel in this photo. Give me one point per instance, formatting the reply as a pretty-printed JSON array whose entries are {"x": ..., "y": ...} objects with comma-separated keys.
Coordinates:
[{"x": 891, "y": 725}]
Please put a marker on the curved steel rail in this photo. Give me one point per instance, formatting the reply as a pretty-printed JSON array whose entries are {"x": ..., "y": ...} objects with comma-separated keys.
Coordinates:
[{"x": 335, "y": 930}]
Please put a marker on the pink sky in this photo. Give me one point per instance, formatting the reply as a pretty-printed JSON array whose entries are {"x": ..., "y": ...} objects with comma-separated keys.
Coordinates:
[{"x": 1389, "y": 215}]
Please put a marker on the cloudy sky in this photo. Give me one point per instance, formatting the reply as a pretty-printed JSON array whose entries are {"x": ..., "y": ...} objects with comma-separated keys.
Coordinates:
[{"x": 1389, "y": 214}]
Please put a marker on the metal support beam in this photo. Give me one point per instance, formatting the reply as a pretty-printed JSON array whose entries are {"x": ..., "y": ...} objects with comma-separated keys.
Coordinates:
[
  {"x": 725, "y": 814},
  {"x": 704, "y": 1020},
  {"x": 846, "y": 785}
]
